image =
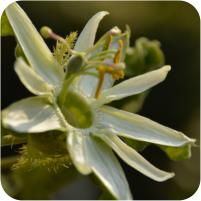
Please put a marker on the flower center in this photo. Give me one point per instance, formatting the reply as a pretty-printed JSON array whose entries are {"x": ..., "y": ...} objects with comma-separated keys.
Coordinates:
[{"x": 77, "y": 111}]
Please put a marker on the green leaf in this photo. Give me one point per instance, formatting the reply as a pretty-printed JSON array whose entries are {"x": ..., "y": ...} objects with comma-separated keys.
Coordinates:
[
  {"x": 32, "y": 115},
  {"x": 177, "y": 153},
  {"x": 34, "y": 47},
  {"x": 6, "y": 29}
]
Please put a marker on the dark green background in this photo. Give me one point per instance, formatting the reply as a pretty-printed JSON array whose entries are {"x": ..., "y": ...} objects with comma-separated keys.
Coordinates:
[{"x": 175, "y": 102}]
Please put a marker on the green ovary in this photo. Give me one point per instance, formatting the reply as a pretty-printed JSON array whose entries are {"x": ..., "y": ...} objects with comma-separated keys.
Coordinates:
[{"x": 77, "y": 111}]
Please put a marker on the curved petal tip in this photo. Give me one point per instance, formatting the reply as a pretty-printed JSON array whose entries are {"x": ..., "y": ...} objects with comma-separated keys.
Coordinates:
[
  {"x": 167, "y": 176},
  {"x": 166, "y": 68}
]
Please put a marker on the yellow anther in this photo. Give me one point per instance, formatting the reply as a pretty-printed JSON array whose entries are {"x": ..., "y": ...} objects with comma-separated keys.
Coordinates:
[{"x": 118, "y": 74}]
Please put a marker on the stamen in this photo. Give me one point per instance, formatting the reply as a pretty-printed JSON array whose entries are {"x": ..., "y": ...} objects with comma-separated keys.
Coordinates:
[
  {"x": 101, "y": 70},
  {"x": 108, "y": 42},
  {"x": 117, "y": 57},
  {"x": 115, "y": 70},
  {"x": 47, "y": 32}
]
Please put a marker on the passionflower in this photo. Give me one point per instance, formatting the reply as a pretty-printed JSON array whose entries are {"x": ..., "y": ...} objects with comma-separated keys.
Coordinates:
[{"x": 74, "y": 102}]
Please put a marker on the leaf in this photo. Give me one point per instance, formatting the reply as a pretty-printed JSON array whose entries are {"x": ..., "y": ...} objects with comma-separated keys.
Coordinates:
[
  {"x": 34, "y": 47},
  {"x": 177, "y": 153},
  {"x": 32, "y": 115},
  {"x": 136, "y": 127},
  {"x": 6, "y": 29}
]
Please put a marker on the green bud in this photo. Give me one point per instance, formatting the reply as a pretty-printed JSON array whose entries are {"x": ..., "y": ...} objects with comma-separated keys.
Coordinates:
[
  {"x": 75, "y": 63},
  {"x": 46, "y": 32}
]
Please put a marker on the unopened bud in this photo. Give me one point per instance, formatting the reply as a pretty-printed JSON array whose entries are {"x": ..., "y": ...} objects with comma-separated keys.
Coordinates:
[{"x": 75, "y": 63}]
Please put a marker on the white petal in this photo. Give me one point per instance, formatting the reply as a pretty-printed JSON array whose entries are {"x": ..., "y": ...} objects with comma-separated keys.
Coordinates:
[
  {"x": 139, "y": 128},
  {"x": 31, "y": 80},
  {"x": 134, "y": 85},
  {"x": 32, "y": 115},
  {"x": 35, "y": 49},
  {"x": 107, "y": 168},
  {"x": 134, "y": 159},
  {"x": 87, "y": 37},
  {"x": 87, "y": 84},
  {"x": 76, "y": 147}
]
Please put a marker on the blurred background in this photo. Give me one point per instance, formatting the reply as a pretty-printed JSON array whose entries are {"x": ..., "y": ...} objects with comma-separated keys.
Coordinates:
[{"x": 175, "y": 102}]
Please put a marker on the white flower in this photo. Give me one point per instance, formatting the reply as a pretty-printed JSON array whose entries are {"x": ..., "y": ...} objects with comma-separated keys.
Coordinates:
[{"x": 92, "y": 128}]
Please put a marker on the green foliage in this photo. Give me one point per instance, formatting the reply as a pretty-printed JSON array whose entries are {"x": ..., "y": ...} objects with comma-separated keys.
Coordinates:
[
  {"x": 38, "y": 183},
  {"x": 44, "y": 150},
  {"x": 145, "y": 56},
  {"x": 11, "y": 140},
  {"x": 177, "y": 153},
  {"x": 61, "y": 51},
  {"x": 135, "y": 144},
  {"x": 6, "y": 29}
]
